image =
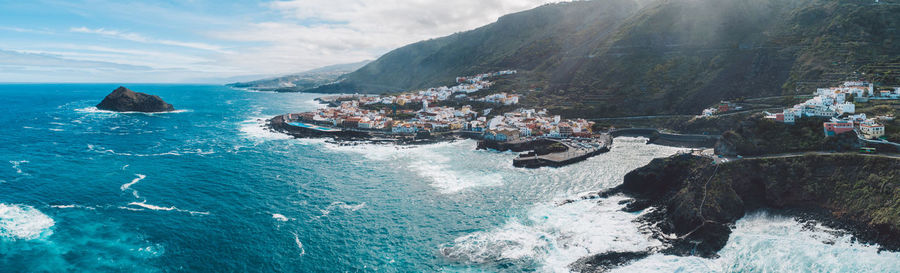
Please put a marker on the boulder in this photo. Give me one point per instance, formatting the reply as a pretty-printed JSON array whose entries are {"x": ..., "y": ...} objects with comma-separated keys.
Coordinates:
[{"x": 124, "y": 100}]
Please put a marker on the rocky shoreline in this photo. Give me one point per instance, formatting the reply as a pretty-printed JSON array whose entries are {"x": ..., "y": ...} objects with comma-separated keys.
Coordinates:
[
  {"x": 696, "y": 203},
  {"x": 542, "y": 152}
]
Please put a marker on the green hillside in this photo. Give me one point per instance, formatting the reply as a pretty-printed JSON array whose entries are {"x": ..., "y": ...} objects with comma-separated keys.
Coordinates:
[{"x": 625, "y": 57}]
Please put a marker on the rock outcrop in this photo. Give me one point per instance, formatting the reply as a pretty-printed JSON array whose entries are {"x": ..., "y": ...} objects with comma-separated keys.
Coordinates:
[
  {"x": 698, "y": 202},
  {"x": 124, "y": 100}
]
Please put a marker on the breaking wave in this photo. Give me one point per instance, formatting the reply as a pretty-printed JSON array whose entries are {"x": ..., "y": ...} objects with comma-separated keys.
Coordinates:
[
  {"x": 102, "y": 150},
  {"x": 93, "y": 109},
  {"x": 280, "y": 217},
  {"x": 551, "y": 237},
  {"x": 439, "y": 163},
  {"x": 299, "y": 245},
  {"x": 255, "y": 128},
  {"x": 22, "y": 222},
  {"x": 761, "y": 242},
  {"x": 143, "y": 204},
  {"x": 340, "y": 205},
  {"x": 128, "y": 185}
]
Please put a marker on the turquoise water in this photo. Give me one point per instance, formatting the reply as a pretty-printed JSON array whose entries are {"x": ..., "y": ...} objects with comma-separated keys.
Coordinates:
[
  {"x": 206, "y": 189},
  {"x": 305, "y": 125}
]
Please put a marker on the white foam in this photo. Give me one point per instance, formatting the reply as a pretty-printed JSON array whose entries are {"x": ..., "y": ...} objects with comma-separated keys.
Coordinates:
[
  {"x": 255, "y": 128},
  {"x": 133, "y": 181},
  {"x": 22, "y": 222},
  {"x": 299, "y": 244},
  {"x": 93, "y": 109},
  {"x": 144, "y": 204},
  {"x": 765, "y": 243},
  {"x": 449, "y": 167},
  {"x": 554, "y": 236},
  {"x": 56, "y": 129},
  {"x": 17, "y": 165},
  {"x": 102, "y": 150},
  {"x": 346, "y": 206},
  {"x": 340, "y": 205},
  {"x": 280, "y": 217},
  {"x": 71, "y": 206}
]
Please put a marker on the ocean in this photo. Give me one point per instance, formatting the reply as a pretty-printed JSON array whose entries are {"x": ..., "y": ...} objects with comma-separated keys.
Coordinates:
[{"x": 207, "y": 189}]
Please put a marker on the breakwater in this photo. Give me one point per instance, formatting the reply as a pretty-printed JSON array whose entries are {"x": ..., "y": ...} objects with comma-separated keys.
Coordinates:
[
  {"x": 669, "y": 139},
  {"x": 548, "y": 152}
]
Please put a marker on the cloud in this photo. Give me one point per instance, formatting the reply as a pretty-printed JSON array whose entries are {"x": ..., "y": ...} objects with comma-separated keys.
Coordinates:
[
  {"x": 46, "y": 61},
  {"x": 225, "y": 38},
  {"x": 24, "y": 30},
  {"x": 134, "y": 37},
  {"x": 313, "y": 33}
]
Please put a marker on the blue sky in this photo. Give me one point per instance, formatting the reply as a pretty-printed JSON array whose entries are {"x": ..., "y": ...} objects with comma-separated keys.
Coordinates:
[{"x": 217, "y": 41}]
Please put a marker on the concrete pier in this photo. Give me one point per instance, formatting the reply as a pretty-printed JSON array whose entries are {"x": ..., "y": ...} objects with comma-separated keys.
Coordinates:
[{"x": 576, "y": 151}]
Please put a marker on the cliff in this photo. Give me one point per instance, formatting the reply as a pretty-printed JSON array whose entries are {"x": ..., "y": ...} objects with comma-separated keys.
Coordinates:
[
  {"x": 124, "y": 100},
  {"x": 698, "y": 201}
]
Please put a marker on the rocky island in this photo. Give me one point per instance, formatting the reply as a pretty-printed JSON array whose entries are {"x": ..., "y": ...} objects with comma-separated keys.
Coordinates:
[{"x": 124, "y": 100}]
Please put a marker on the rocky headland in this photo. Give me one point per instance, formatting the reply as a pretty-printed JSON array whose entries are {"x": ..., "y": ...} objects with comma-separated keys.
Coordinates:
[
  {"x": 124, "y": 100},
  {"x": 697, "y": 202}
]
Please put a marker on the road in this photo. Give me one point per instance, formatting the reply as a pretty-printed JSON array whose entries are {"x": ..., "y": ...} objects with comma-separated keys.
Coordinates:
[{"x": 722, "y": 160}]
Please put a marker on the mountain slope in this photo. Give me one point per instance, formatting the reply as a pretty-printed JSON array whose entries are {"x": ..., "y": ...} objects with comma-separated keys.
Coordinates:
[
  {"x": 625, "y": 57},
  {"x": 302, "y": 81}
]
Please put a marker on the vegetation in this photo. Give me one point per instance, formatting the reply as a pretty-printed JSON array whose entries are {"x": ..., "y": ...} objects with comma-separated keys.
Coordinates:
[
  {"x": 646, "y": 57},
  {"x": 849, "y": 190},
  {"x": 760, "y": 136}
]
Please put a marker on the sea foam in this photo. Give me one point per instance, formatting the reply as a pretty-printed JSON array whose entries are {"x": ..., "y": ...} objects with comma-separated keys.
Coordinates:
[
  {"x": 761, "y": 242},
  {"x": 144, "y": 204},
  {"x": 22, "y": 222},
  {"x": 16, "y": 165},
  {"x": 439, "y": 163},
  {"x": 128, "y": 185},
  {"x": 553, "y": 237},
  {"x": 255, "y": 128}
]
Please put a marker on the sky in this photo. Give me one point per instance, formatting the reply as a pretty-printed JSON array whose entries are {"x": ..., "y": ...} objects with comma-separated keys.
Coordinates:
[{"x": 208, "y": 41}]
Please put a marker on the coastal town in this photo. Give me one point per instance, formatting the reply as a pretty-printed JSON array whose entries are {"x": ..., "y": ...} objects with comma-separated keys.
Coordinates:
[
  {"x": 838, "y": 104},
  {"x": 853, "y": 106},
  {"x": 393, "y": 117}
]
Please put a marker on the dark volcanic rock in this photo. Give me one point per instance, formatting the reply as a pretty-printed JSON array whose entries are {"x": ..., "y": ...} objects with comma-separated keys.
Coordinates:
[
  {"x": 606, "y": 261},
  {"x": 698, "y": 202},
  {"x": 124, "y": 100}
]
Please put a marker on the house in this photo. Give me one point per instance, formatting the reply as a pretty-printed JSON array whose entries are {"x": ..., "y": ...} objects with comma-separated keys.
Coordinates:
[
  {"x": 565, "y": 131},
  {"x": 871, "y": 129},
  {"x": 838, "y": 127},
  {"x": 501, "y": 135},
  {"x": 845, "y": 108},
  {"x": 404, "y": 128},
  {"x": 818, "y": 111},
  {"x": 724, "y": 107}
]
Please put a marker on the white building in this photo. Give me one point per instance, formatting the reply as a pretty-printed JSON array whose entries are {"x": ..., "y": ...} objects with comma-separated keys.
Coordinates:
[
  {"x": 845, "y": 108},
  {"x": 871, "y": 129}
]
